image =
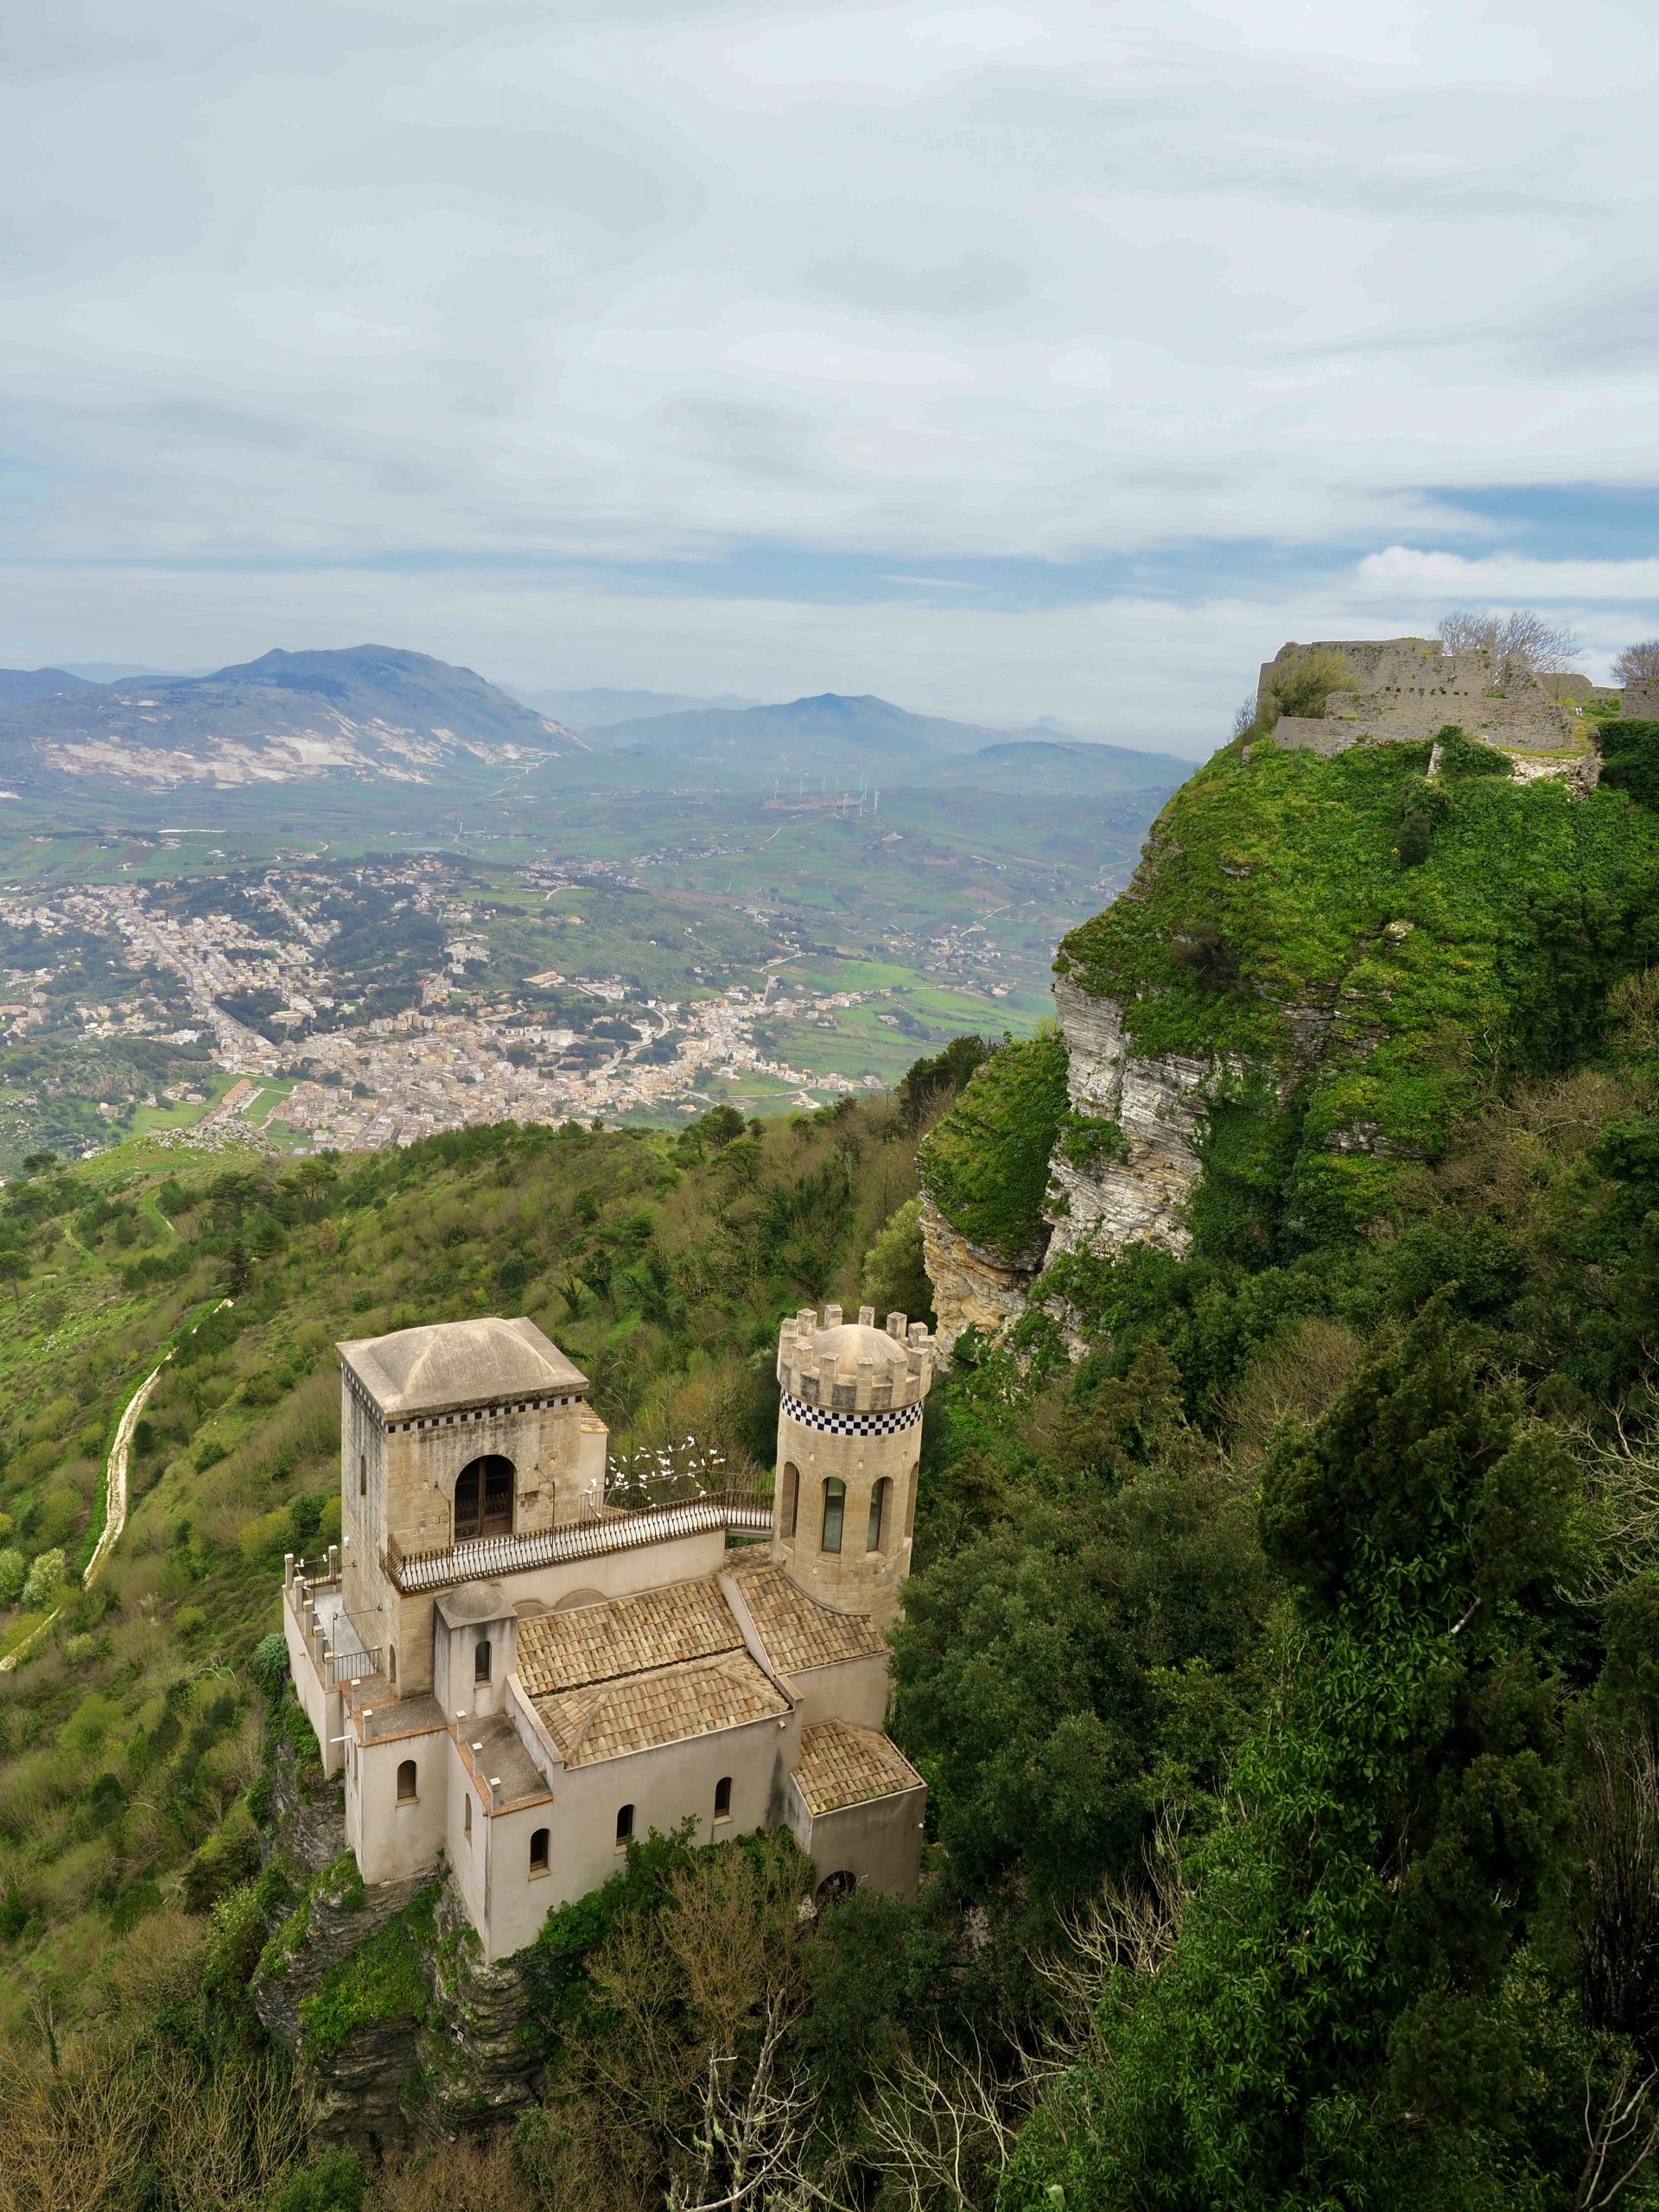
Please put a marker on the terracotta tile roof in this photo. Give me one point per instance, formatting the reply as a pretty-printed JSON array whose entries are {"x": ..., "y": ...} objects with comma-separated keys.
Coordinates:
[
  {"x": 797, "y": 1631},
  {"x": 626, "y": 1636},
  {"x": 843, "y": 1765},
  {"x": 666, "y": 1704}
]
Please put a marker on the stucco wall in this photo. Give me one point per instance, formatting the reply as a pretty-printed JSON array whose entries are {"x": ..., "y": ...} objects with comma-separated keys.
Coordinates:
[
  {"x": 469, "y": 1855},
  {"x": 519, "y": 1901},
  {"x": 855, "y": 1691},
  {"x": 663, "y": 1786},
  {"x": 392, "y": 1840},
  {"x": 320, "y": 1705},
  {"x": 880, "y": 1842}
]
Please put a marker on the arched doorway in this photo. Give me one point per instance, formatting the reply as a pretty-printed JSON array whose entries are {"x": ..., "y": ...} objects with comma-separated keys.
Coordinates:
[
  {"x": 484, "y": 1498},
  {"x": 834, "y": 1887}
]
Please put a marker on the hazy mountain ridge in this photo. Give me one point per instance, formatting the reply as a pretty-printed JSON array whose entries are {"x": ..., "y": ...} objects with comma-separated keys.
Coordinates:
[
  {"x": 371, "y": 712},
  {"x": 833, "y": 731},
  {"x": 19, "y": 686}
]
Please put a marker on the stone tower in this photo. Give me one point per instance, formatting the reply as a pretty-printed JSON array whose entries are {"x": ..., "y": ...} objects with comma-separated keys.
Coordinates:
[
  {"x": 456, "y": 1440},
  {"x": 849, "y": 1439}
]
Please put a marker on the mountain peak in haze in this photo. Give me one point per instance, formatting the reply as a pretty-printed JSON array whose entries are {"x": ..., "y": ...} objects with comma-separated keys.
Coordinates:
[{"x": 370, "y": 712}]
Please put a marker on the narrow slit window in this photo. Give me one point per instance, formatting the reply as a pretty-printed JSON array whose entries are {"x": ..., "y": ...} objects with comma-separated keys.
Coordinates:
[
  {"x": 723, "y": 1798},
  {"x": 481, "y": 1660},
  {"x": 789, "y": 1503},
  {"x": 406, "y": 1781},
  {"x": 467, "y": 1815},
  {"x": 392, "y": 1664},
  {"x": 624, "y": 1826},
  {"x": 835, "y": 1513},
  {"x": 362, "y": 1474},
  {"x": 539, "y": 1850},
  {"x": 877, "y": 1540}
]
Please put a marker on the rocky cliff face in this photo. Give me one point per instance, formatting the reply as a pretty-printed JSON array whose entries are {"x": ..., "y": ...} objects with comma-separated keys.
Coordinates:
[
  {"x": 1101, "y": 1205},
  {"x": 972, "y": 1288}
]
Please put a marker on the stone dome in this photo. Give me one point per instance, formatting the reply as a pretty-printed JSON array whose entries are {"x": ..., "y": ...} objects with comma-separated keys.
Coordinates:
[{"x": 853, "y": 1363}]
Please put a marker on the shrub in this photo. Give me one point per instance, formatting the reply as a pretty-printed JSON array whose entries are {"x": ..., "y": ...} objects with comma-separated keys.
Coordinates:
[
  {"x": 1301, "y": 684},
  {"x": 986, "y": 1165},
  {"x": 268, "y": 1663},
  {"x": 1630, "y": 752},
  {"x": 45, "y": 1579},
  {"x": 1089, "y": 1140},
  {"x": 334, "y": 2182},
  {"x": 894, "y": 1278},
  {"x": 14, "y": 1573},
  {"x": 1466, "y": 756}
]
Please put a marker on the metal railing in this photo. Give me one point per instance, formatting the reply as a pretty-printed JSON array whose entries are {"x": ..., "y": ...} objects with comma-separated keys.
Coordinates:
[
  {"x": 480, "y": 1558},
  {"x": 351, "y": 1656}
]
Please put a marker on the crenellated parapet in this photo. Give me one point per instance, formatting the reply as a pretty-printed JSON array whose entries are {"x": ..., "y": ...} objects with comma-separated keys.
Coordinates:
[{"x": 858, "y": 1368}]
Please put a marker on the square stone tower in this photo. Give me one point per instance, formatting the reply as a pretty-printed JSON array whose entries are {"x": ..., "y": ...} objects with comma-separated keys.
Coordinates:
[
  {"x": 849, "y": 1441},
  {"x": 451, "y": 1436}
]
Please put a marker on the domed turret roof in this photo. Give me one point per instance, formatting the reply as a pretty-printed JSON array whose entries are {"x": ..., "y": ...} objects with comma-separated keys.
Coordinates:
[
  {"x": 854, "y": 1361},
  {"x": 853, "y": 1341}
]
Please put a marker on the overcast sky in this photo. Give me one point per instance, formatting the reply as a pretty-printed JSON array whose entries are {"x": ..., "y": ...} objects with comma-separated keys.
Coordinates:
[{"x": 1007, "y": 361}]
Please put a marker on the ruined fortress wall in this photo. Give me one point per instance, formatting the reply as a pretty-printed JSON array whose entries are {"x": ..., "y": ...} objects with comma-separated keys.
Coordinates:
[{"x": 1407, "y": 688}]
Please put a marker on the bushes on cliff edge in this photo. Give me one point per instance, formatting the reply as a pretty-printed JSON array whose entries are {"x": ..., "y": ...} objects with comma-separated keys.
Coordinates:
[{"x": 986, "y": 1165}]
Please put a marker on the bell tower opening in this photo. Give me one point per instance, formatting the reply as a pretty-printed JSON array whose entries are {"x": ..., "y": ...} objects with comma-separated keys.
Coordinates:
[{"x": 484, "y": 1498}]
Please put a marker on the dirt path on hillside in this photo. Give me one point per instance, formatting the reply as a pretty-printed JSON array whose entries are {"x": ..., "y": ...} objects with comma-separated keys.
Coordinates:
[{"x": 115, "y": 1474}]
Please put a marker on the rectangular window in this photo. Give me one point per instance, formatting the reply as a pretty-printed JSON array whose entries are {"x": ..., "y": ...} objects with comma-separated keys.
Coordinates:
[{"x": 835, "y": 1512}]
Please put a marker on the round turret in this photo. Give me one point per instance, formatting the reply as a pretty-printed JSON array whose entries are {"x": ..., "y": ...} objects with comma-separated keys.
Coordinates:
[{"x": 849, "y": 1426}]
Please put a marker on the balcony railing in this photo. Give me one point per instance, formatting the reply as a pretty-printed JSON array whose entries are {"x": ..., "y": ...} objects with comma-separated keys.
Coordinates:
[{"x": 747, "y": 1511}]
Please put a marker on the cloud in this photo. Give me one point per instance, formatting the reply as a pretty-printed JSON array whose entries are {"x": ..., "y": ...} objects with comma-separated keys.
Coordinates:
[{"x": 1163, "y": 311}]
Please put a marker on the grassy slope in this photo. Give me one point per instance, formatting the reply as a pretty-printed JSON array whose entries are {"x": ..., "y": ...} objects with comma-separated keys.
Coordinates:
[{"x": 128, "y": 1733}]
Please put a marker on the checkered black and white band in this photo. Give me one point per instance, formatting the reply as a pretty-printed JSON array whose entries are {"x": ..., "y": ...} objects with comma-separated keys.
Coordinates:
[{"x": 852, "y": 1424}]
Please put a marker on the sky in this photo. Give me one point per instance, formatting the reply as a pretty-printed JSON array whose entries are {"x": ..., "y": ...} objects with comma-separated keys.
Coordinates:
[{"x": 1007, "y": 361}]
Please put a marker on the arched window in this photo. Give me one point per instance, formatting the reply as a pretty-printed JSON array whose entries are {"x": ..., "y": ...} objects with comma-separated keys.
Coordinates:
[
  {"x": 789, "y": 1503},
  {"x": 835, "y": 1512},
  {"x": 624, "y": 1826},
  {"x": 723, "y": 1798},
  {"x": 539, "y": 1841},
  {"x": 467, "y": 1816},
  {"x": 362, "y": 1474},
  {"x": 406, "y": 1781},
  {"x": 877, "y": 1540},
  {"x": 484, "y": 1498},
  {"x": 481, "y": 1660}
]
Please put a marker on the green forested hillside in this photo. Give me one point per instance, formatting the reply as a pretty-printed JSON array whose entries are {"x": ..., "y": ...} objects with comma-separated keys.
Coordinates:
[{"x": 1285, "y": 1668}]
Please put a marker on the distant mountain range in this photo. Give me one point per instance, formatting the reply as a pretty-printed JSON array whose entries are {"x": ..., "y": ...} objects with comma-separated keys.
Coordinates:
[
  {"x": 18, "y": 686},
  {"x": 833, "y": 732},
  {"x": 371, "y": 713},
  {"x": 600, "y": 708},
  {"x": 375, "y": 713}
]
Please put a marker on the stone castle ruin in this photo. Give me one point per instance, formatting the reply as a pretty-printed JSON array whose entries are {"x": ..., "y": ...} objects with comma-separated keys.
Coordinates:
[{"x": 1410, "y": 687}]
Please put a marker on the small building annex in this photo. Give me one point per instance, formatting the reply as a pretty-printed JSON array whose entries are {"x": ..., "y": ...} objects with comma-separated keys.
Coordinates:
[{"x": 518, "y": 1673}]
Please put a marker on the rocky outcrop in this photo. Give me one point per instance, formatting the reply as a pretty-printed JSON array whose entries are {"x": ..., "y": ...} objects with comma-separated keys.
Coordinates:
[
  {"x": 443, "y": 2053},
  {"x": 972, "y": 1288},
  {"x": 1106, "y": 1203}
]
